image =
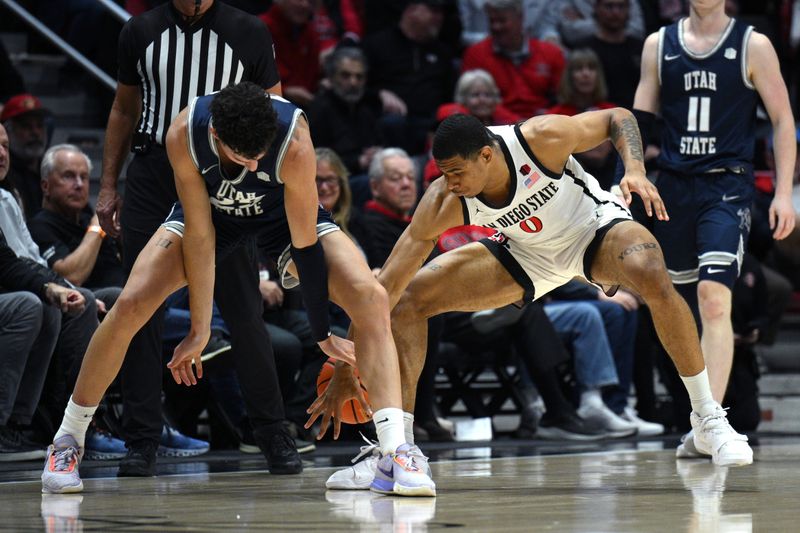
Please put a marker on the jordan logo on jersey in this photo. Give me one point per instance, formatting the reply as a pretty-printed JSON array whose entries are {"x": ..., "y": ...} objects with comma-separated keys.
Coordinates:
[{"x": 236, "y": 203}]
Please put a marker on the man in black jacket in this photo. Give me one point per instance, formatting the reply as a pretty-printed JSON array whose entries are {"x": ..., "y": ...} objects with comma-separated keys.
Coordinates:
[{"x": 28, "y": 339}]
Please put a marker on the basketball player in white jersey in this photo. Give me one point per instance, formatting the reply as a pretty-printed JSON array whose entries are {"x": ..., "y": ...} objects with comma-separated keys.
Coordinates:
[{"x": 553, "y": 223}]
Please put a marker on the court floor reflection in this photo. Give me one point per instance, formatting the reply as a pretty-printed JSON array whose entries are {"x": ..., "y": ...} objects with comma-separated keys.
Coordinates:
[{"x": 616, "y": 490}]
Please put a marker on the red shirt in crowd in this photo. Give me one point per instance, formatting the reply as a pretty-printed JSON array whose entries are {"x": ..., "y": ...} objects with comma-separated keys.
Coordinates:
[
  {"x": 527, "y": 87},
  {"x": 296, "y": 50}
]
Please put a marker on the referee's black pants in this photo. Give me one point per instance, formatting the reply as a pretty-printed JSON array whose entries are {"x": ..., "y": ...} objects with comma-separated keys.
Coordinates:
[{"x": 149, "y": 196}]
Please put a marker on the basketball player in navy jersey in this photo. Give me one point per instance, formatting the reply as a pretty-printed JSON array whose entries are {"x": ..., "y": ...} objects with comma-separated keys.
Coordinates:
[
  {"x": 553, "y": 222},
  {"x": 704, "y": 75},
  {"x": 244, "y": 168}
]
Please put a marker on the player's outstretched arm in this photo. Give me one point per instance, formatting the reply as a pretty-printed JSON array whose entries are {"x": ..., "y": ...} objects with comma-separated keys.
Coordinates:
[
  {"x": 198, "y": 245},
  {"x": 298, "y": 173},
  {"x": 438, "y": 211},
  {"x": 765, "y": 74}
]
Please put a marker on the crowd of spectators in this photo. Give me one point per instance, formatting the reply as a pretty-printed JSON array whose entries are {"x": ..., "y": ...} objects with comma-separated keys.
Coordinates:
[{"x": 375, "y": 78}]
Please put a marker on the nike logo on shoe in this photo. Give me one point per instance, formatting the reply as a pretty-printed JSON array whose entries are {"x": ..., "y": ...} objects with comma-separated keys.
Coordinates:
[{"x": 386, "y": 473}]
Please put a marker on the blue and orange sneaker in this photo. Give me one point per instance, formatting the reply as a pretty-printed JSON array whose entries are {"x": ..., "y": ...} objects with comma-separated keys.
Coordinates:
[
  {"x": 61, "y": 474},
  {"x": 403, "y": 473}
]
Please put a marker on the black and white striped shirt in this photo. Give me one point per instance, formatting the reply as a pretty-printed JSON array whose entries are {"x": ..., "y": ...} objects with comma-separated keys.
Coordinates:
[{"x": 173, "y": 62}]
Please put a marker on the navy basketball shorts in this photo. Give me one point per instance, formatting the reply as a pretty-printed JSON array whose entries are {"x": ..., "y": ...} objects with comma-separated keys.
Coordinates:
[
  {"x": 708, "y": 227},
  {"x": 273, "y": 237}
]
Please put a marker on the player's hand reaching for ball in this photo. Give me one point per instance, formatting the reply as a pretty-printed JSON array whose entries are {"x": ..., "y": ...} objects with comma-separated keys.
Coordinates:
[
  {"x": 343, "y": 386},
  {"x": 186, "y": 354},
  {"x": 339, "y": 349}
]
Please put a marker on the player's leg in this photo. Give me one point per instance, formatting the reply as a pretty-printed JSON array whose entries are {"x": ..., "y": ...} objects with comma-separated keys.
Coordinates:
[
  {"x": 629, "y": 255},
  {"x": 400, "y": 468},
  {"x": 469, "y": 278},
  {"x": 157, "y": 272},
  {"x": 722, "y": 230}
]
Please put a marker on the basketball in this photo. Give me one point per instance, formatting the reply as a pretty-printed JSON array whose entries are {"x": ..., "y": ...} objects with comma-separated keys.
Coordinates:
[{"x": 352, "y": 413}]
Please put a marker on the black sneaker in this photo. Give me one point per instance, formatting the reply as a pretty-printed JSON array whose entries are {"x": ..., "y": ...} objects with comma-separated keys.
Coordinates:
[
  {"x": 567, "y": 426},
  {"x": 14, "y": 447},
  {"x": 301, "y": 441},
  {"x": 525, "y": 431},
  {"x": 216, "y": 345},
  {"x": 140, "y": 461},
  {"x": 280, "y": 451},
  {"x": 436, "y": 433}
]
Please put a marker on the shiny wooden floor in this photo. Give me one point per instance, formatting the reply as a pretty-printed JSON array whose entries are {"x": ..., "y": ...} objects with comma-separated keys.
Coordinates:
[{"x": 625, "y": 486}]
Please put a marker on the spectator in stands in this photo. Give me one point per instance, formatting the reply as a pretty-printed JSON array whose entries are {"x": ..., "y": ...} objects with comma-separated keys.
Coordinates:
[
  {"x": 526, "y": 70},
  {"x": 392, "y": 178},
  {"x": 64, "y": 333},
  {"x": 540, "y": 20},
  {"x": 345, "y": 117},
  {"x": 66, "y": 230},
  {"x": 334, "y": 191},
  {"x": 477, "y": 94},
  {"x": 581, "y": 327},
  {"x": 412, "y": 69},
  {"x": 24, "y": 119},
  {"x": 577, "y": 19},
  {"x": 583, "y": 88},
  {"x": 619, "y": 52},
  {"x": 29, "y": 320},
  {"x": 619, "y": 314},
  {"x": 297, "y": 48}
]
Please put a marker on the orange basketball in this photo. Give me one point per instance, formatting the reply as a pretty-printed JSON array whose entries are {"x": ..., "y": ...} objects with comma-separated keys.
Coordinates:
[{"x": 352, "y": 413}]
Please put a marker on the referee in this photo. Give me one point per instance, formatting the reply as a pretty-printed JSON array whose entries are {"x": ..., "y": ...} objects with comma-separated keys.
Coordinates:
[{"x": 167, "y": 57}]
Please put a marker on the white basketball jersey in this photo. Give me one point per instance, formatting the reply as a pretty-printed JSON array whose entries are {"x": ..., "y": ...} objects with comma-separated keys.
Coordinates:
[{"x": 545, "y": 210}]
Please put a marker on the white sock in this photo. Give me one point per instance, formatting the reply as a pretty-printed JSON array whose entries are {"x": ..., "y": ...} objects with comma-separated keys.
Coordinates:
[
  {"x": 591, "y": 398},
  {"x": 76, "y": 421},
  {"x": 389, "y": 426},
  {"x": 408, "y": 427},
  {"x": 699, "y": 391}
]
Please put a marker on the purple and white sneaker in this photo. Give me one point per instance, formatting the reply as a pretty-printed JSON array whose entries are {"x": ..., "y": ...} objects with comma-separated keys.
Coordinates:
[{"x": 403, "y": 473}]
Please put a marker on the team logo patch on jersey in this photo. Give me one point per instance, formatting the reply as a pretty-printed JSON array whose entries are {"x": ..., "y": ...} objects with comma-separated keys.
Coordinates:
[
  {"x": 730, "y": 53},
  {"x": 499, "y": 238}
]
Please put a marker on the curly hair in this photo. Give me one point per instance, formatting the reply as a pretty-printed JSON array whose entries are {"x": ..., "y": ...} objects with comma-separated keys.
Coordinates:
[
  {"x": 244, "y": 119},
  {"x": 460, "y": 135}
]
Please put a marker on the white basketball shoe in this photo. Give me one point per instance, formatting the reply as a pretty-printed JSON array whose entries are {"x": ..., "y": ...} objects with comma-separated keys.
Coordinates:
[{"x": 714, "y": 436}]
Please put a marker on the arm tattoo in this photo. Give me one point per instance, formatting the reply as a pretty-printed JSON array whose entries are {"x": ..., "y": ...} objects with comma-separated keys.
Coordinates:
[
  {"x": 434, "y": 266},
  {"x": 637, "y": 248},
  {"x": 164, "y": 243},
  {"x": 630, "y": 131}
]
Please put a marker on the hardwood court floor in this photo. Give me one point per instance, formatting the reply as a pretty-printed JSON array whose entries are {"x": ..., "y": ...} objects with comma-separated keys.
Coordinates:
[{"x": 621, "y": 487}]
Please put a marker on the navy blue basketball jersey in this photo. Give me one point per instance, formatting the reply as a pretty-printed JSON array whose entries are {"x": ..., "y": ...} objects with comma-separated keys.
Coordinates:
[
  {"x": 250, "y": 196},
  {"x": 707, "y": 102}
]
